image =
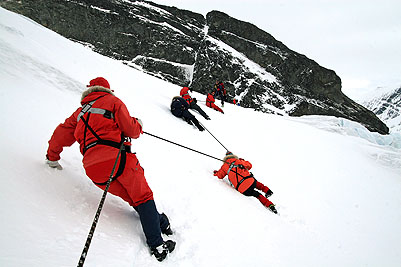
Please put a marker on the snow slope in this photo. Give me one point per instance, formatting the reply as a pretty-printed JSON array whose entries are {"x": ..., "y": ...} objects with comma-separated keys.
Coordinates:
[{"x": 339, "y": 195}]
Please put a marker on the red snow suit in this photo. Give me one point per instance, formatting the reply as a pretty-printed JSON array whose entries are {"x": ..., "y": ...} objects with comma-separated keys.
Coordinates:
[
  {"x": 98, "y": 160},
  {"x": 210, "y": 103},
  {"x": 184, "y": 94},
  {"x": 238, "y": 174}
]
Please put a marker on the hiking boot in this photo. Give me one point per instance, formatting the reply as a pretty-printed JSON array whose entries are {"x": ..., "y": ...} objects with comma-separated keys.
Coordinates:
[
  {"x": 165, "y": 223},
  {"x": 272, "y": 208},
  {"x": 161, "y": 251},
  {"x": 268, "y": 193},
  {"x": 200, "y": 128},
  {"x": 167, "y": 231}
]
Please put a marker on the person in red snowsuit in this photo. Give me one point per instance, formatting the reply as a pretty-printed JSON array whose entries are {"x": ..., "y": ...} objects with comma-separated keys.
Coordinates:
[
  {"x": 210, "y": 102},
  {"x": 192, "y": 102},
  {"x": 243, "y": 181},
  {"x": 99, "y": 126}
]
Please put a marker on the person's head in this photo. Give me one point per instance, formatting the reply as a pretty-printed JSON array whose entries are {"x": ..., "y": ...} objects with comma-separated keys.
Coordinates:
[
  {"x": 212, "y": 93},
  {"x": 229, "y": 155},
  {"x": 99, "y": 81}
]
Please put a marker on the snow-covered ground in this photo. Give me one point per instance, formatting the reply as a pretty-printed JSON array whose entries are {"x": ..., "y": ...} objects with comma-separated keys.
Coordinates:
[{"x": 338, "y": 193}]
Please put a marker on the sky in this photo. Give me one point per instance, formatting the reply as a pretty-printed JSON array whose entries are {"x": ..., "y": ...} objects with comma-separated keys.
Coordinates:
[
  {"x": 336, "y": 186},
  {"x": 359, "y": 39}
]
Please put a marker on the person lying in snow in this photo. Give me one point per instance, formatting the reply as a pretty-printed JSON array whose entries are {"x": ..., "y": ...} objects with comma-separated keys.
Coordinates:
[
  {"x": 179, "y": 108},
  {"x": 210, "y": 102},
  {"x": 243, "y": 181},
  {"x": 192, "y": 102},
  {"x": 99, "y": 126}
]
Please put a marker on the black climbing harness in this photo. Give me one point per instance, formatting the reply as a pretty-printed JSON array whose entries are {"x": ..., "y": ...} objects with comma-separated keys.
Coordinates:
[
  {"x": 239, "y": 181},
  {"x": 87, "y": 108}
]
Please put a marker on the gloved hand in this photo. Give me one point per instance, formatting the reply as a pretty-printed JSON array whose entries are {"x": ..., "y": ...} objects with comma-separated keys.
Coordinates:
[
  {"x": 54, "y": 164},
  {"x": 140, "y": 122},
  {"x": 215, "y": 173},
  {"x": 195, "y": 101}
]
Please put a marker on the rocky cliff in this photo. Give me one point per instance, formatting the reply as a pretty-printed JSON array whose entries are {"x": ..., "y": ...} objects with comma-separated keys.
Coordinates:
[
  {"x": 186, "y": 48},
  {"x": 388, "y": 108}
]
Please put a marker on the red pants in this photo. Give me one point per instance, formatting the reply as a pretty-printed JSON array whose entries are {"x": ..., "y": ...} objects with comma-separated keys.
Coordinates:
[
  {"x": 212, "y": 105},
  {"x": 131, "y": 185},
  {"x": 254, "y": 193}
]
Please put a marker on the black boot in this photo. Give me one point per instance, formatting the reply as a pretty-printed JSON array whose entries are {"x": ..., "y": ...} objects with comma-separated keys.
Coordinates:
[
  {"x": 197, "y": 124},
  {"x": 165, "y": 225},
  {"x": 167, "y": 231},
  {"x": 161, "y": 251},
  {"x": 272, "y": 208}
]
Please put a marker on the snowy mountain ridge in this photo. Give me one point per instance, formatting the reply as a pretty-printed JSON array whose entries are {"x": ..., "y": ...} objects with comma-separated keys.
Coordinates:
[
  {"x": 388, "y": 108},
  {"x": 338, "y": 195},
  {"x": 187, "y": 48}
]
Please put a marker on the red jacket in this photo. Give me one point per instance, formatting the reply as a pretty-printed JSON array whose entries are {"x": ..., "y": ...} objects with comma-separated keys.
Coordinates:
[
  {"x": 239, "y": 176},
  {"x": 107, "y": 129},
  {"x": 209, "y": 100},
  {"x": 184, "y": 94}
]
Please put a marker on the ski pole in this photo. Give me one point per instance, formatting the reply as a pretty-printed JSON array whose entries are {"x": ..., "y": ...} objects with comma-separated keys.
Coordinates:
[
  {"x": 213, "y": 136},
  {"x": 97, "y": 215},
  {"x": 182, "y": 146}
]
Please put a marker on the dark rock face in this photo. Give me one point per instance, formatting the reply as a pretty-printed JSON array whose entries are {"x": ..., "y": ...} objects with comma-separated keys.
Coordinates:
[{"x": 185, "y": 48}]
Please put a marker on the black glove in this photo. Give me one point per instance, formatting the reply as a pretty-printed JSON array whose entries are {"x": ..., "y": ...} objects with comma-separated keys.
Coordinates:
[{"x": 195, "y": 100}]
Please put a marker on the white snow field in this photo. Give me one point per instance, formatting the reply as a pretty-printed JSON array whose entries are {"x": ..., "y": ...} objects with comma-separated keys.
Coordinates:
[{"x": 338, "y": 194}]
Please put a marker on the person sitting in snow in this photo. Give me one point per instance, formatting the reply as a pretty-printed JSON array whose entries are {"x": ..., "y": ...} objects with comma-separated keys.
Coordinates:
[
  {"x": 243, "y": 181},
  {"x": 179, "y": 108},
  {"x": 210, "y": 102},
  {"x": 192, "y": 102},
  {"x": 99, "y": 126},
  {"x": 220, "y": 91}
]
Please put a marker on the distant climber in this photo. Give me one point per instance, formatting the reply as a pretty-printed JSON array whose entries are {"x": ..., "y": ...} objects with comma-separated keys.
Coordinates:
[
  {"x": 192, "y": 102},
  {"x": 220, "y": 91},
  {"x": 179, "y": 108},
  {"x": 210, "y": 102},
  {"x": 243, "y": 181}
]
